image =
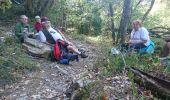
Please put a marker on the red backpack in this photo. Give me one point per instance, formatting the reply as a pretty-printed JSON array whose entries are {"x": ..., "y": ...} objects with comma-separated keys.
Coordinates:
[{"x": 59, "y": 49}]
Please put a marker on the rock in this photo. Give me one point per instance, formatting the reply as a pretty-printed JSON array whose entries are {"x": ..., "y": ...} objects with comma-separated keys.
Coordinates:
[
  {"x": 82, "y": 83},
  {"x": 26, "y": 82},
  {"x": 36, "y": 48},
  {"x": 2, "y": 39},
  {"x": 36, "y": 96},
  {"x": 108, "y": 79},
  {"x": 8, "y": 33},
  {"x": 1, "y": 90}
]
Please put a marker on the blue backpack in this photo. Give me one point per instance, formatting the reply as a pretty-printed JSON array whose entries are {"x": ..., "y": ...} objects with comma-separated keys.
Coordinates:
[{"x": 149, "y": 49}]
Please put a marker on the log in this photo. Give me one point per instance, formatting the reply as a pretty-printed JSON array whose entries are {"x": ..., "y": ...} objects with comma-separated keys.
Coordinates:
[{"x": 158, "y": 86}]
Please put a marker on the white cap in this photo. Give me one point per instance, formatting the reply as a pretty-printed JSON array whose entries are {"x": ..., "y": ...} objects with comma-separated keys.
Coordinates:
[{"x": 37, "y": 17}]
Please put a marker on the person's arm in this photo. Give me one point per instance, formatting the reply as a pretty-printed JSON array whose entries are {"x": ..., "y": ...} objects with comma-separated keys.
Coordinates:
[
  {"x": 18, "y": 30},
  {"x": 137, "y": 41}
]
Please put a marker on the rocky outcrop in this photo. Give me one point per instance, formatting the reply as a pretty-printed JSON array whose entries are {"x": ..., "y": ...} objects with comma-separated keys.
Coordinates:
[{"x": 36, "y": 48}]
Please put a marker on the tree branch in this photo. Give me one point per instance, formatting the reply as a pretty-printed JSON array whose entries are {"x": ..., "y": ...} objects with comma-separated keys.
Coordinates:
[
  {"x": 137, "y": 5},
  {"x": 147, "y": 12}
]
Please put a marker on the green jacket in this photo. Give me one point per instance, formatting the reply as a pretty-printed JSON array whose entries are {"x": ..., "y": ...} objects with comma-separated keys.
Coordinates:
[{"x": 19, "y": 29}]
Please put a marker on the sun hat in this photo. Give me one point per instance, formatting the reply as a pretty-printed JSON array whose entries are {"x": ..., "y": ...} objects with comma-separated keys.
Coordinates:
[{"x": 37, "y": 17}]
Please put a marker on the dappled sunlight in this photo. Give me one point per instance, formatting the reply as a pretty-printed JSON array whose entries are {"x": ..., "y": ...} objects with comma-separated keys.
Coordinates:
[{"x": 93, "y": 39}]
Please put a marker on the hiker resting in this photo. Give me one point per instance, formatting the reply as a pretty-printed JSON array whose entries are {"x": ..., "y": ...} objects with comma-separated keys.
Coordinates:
[
  {"x": 37, "y": 25},
  {"x": 139, "y": 36},
  {"x": 46, "y": 38},
  {"x": 22, "y": 29}
]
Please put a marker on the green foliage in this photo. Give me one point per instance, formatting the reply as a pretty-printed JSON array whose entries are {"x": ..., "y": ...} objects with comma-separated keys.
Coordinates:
[
  {"x": 96, "y": 23},
  {"x": 85, "y": 16},
  {"x": 93, "y": 91},
  {"x": 114, "y": 63},
  {"x": 5, "y": 4},
  {"x": 134, "y": 89},
  {"x": 10, "y": 14}
]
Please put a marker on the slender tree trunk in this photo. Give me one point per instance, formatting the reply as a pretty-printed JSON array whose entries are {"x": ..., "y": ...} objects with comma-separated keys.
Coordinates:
[
  {"x": 125, "y": 19},
  {"x": 112, "y": 22},
  {"x": 147, "y": 12}
]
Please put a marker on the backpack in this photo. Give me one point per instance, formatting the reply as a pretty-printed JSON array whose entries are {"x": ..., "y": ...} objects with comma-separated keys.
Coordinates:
[
  {"x": 60, "y": 49},
  {"x": 149, "y": 49}
]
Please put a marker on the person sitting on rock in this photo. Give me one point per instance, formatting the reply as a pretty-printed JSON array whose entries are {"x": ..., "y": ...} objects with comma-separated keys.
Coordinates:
[
  {"x": 37, "y": 25},
  {"x": 139, "y": 36},
  {"x": 22, "y": 29},
  {"x": 47, "y": 31}
]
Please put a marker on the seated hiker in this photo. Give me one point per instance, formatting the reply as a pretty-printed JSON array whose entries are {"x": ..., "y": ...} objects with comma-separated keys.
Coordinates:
[
  {"x": 37, "y": 25},
  {"x": 139, "y": 36},
  {"x": 50, "y": 36},
  {"x": 22, "y": 29}
]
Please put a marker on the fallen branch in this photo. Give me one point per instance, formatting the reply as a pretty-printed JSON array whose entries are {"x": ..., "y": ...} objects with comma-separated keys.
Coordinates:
[{"x": 162, "y": 87}]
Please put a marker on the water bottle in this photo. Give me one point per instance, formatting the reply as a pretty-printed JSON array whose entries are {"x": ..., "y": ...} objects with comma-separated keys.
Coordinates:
[
  {"x": 25, "y": 33},
  {"x": 114, "y": 51}
]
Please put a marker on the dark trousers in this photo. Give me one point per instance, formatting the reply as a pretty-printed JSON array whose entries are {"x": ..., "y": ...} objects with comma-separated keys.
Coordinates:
[{"x": 137, "y": 46}]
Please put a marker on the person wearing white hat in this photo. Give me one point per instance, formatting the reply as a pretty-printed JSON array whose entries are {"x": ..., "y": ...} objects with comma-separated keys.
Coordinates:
[{"x": 38, "y": 24}]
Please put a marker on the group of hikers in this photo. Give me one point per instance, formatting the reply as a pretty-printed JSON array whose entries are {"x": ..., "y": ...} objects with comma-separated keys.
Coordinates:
[
  {"x": 64, "y": 50},
  {"x": 44, "y": 32}
]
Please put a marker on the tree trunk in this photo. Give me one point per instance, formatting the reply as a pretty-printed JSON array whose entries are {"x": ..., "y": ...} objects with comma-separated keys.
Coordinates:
[
  {"x": 112, "y": 22},
  {"x": 125, "y": 19},
  {"x": 147, "y": 12},
  {"x": 159, "y": 86}
]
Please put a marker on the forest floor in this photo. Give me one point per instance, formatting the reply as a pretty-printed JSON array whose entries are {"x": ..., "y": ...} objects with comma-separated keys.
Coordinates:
[{"x": 52, "y": 80}]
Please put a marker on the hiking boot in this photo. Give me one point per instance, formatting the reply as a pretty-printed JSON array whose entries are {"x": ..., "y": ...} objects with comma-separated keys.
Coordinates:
[
  {"x": 83, "y": 55},
  {"x": 81, "y": 50}
]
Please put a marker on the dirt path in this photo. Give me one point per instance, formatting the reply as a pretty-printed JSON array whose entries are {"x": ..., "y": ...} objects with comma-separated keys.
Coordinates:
[{"x": 52, "y": 79}]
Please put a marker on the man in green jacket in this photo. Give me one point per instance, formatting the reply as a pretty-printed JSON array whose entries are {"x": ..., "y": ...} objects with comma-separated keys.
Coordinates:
[{"x": 22, "y": 29}]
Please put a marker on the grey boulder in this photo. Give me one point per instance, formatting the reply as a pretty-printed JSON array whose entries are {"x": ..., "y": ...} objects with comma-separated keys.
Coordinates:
[{"x": 36, "y": 48}]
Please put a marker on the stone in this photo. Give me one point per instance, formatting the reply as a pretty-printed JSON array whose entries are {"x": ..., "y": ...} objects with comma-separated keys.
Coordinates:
[
  {"x": 36, "y": 96},
  {"x": 36, "y": 48},
  {"x": 2, "y": 39}
]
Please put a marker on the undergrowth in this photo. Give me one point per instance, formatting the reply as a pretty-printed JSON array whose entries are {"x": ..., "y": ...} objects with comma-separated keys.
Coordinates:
[
  {"x": 13, "y": 62},
  {"x": 112, "y": 64}
]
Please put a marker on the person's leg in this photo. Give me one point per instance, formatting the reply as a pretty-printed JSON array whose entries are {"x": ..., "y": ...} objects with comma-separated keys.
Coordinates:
[
  {"x": 75, "y": 50},
  {"x": 136, "y": 47},
  {"x": 139, "y": 46}
]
